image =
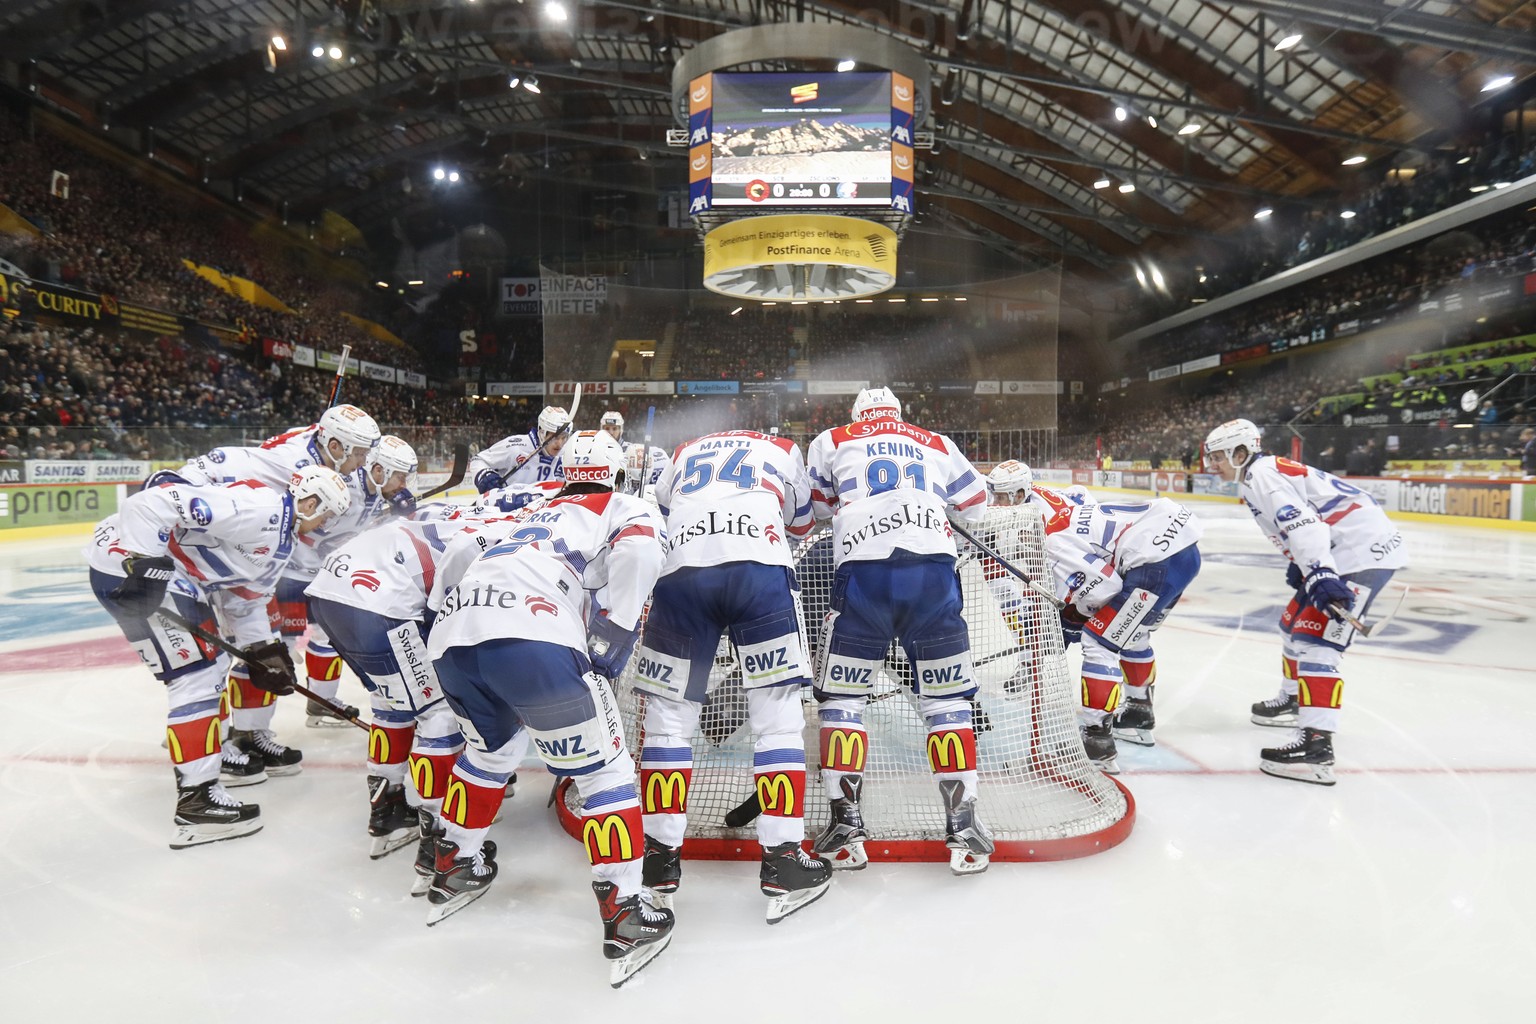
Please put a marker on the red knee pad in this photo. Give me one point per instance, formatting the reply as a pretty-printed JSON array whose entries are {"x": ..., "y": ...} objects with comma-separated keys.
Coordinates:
[
  {"x": 389, "y": 746},
  {"x": 1319, "y": 691},
  {"x": 843, "y": 749},
  {"x": 189, "y": 741},
  {"x": 322, "y": 666},
  {"x": 1101, "y": 694},
  {"x": 665, "y": 789},
  {"x": 781, "y": 793},
  {"x": 613, "y": 837},
  {"x": 1139, "y": 673},
  {"x": 471, "y": 804},
  {"x": 242, "y": 694},
  {"x": 430, "y": 773}
]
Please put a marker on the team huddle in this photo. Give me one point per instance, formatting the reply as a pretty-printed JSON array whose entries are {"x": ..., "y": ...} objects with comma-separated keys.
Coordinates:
[{"x": 488, "y": 630}]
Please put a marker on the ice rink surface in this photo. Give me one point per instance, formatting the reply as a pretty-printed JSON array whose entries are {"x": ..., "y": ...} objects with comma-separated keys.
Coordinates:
[{"x": 1404, "y": 893}]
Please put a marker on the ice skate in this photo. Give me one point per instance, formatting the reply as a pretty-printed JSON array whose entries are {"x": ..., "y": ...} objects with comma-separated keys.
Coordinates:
[
  {"x": 1134, "y": 722},
  {"x": 459, "y": 881},
  {"x": 970, "y": 843},
  {"x": 1099, "y": 742},
  {"x": 792, "y": 879},
  {"x": 662, "y": 871},
  {"x": 1307, "y": 758},
  {"x": 279, "y": 760},
  {"x": 426, "y": 851},
  {"x": 206, "y": 813},
  {"x": 318, "y": 716},
  {"x": 1279, "y": 711},
  {"x": 843, "y": 841},
  {"x": 634, "y": 931},
  {"x": 239, "y": 768},
  {"x": 391, "y": 822}
]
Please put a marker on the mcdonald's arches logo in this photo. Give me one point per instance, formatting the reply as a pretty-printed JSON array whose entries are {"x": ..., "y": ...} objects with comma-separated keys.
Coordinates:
[
  {"x": 175, "y": 735},
  {"x": 423, "y": 776},
  {"x": 607, "y": 839},
  {"x": 666, "y": 791},
  {"x": 456, "y": 801},
  {"x": 378, "y": 745},
  {"x": 844, "y": 750},
  {"x": 947, "y": 750},
  {"x": 776, "y": 794}
]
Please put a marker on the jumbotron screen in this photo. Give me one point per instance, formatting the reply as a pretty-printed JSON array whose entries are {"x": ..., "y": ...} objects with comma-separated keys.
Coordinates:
[{"x": 799, "y": 139}]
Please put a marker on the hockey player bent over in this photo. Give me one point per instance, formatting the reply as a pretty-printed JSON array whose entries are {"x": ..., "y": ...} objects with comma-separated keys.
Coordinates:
[
  {"x": 370, "y": 597},
  {"x": 888, "y": 487},
  {"x": 211, "y": 554},
  {"x": 1119, "y": 568},
  {"x": 732, "y": 501},
  {"x": 522, "y": 461},
  {"x": 643, "y": 465},
  {"x": 1343, "y": 549},
  {"x": 513, "y": 651}
]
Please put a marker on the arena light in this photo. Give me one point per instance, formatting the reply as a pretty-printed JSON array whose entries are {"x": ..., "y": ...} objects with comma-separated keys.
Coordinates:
[
  {"x": 1126, "y": 187},
  {"x": 800, "y": 302},
  {"x": 1348, "y": 215},
  {"x": 1463, "y": 160},
  {"x": 928, "y": 299},
  {"x": 279, "y": 43},
  {"x": 531, "y": 83},
  {"x": 738, "y": 309},
  {"x": 514, "y": 81},
  {"x": 1101, "y": 183},
  {"x": 1501, "y": 184},
  {"x": 863, "y": 301},
  {"x": 415, "y": 284},
  {"x": 959, "y": 298},
  {"x": 1497, "y": 83},
  {"x": 1121, "y": 113},
  {"x": 438, "y": 174},
  {"x": 334, "y": 53},
  {"x": 453, "y": 175},
  {"x": 1141, "y": 277},
  {"x": 1478, "y": 188},
  {"x": 1263, "y": 213},
  {"x": 895, "y": 300},
  {"x": 1190, "y": 129},
  {"x": 318, "y": 51},
  {"x": 847, "y": 65},
  {"x": 555, "y": 11},
  {"x": 1353, "y": 161},
  {"x": 1151, "y": 121},
  {"x": 1289, "y": 41},
  {"x": 381, "y": 284},
  {"x": 1157, "y": 277}
]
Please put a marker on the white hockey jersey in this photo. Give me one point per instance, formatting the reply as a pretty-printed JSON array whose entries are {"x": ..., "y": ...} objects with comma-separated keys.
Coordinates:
[
  {"x": 633, "y": 456},
  {"x": 228, "y": 543},
  {"x": 888, "y": 486},
  {"x": 517, "y": 461},
  {"x": 1089, "y": 547},
  {"x": 735, "y": 496},
  {"x": 1318, "y": 520},
  {"x": 390, "y": 570},
  {"x": 533, "y": 584}
]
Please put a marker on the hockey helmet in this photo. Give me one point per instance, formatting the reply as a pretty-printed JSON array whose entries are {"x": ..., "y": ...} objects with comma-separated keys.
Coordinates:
[
  {"x": 1011, "y": 480},
  {"x": 1231, "y": 436},
  {"x": 393, "y": 455},
  {"x": 324, "y": 484},
  {"x": 613, "y": 422},
  {"x": 349, "y": 426},
  {"x": 875, "y": 403},
  {"x": 634, "y": 463},
  {"x": 592, "y": 457},
  {"x": 553, "y": 422}
]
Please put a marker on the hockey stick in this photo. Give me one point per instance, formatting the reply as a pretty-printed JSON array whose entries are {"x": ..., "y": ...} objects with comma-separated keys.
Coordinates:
[
  {"x": 1381, "y": 620},
  {"x": 1040, "y": 591},
  {"x": 575, "y": 404},
  {"x": 645, "y": 463},
  {"x": 346, "y": 350},
  {"x": 455, "y": 475},
  {"x": 235, "y": 652}
]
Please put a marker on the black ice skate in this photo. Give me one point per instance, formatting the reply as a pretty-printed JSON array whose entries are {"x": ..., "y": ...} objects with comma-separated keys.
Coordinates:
[
  {"x": 426, "y": 851},
  {"x": 792, "y": 879},
  {"x": 391, "y": 821},
  {"x": 1307, "y": 758},
  {"x": 1280, "y": 710},
  {"x": 634, "y": 932},
  {"x": 1134, "y": 722},
  {"x": 318, "y": 716},
  {"x": 278, "y": 759},
  {"x": 662, "y": 871},
  {"x": 238, "y": 768},
  {"x": 1099, "y": 742},
  {"x": 843, "y": 841},
  {"x": 208, "y": 814},
  {"x": 970, "y": 843},
  {"x": 459, "y": 881}
]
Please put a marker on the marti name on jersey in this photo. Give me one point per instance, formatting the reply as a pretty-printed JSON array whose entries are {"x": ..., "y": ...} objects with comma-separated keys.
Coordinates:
[{"x": 923, "y": 518}]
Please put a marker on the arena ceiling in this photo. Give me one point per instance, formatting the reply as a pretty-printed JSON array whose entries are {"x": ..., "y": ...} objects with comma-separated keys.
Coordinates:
[{"x": 1220, "y": 116}]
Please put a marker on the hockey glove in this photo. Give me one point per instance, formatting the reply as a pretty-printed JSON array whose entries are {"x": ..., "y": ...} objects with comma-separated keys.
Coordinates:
[
  {"x": 1325, "y": 589},
  {"x": 141, "y": 593},
  {"x": 610, "y": 646},
  {"x": 1293, "y": 577},
  {"x": 487, "y": 480},
  {"x": 402, "y": 503},
  {"x": 270, "y": 667},
  {"x": 1071, "y": 626}
]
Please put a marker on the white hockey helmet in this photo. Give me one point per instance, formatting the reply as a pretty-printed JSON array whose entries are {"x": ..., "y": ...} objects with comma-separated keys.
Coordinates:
[
  {"x": 613, "y": 422},
  {"x": 325, "y": 484},
  {"x": 874, "y": 403},
  {"x": 1232, "y": 435},
  {"x": 553, "y": 421},
  {"x": 350, "y": 426},
  {"x": 1011, "y": 478},
  {"x": 393, "y": 455},
  {"x": 592, "y": 457}
]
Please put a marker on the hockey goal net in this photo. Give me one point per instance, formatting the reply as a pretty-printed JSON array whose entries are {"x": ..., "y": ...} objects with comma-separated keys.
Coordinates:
[{"x": 1037, "y": 791}]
